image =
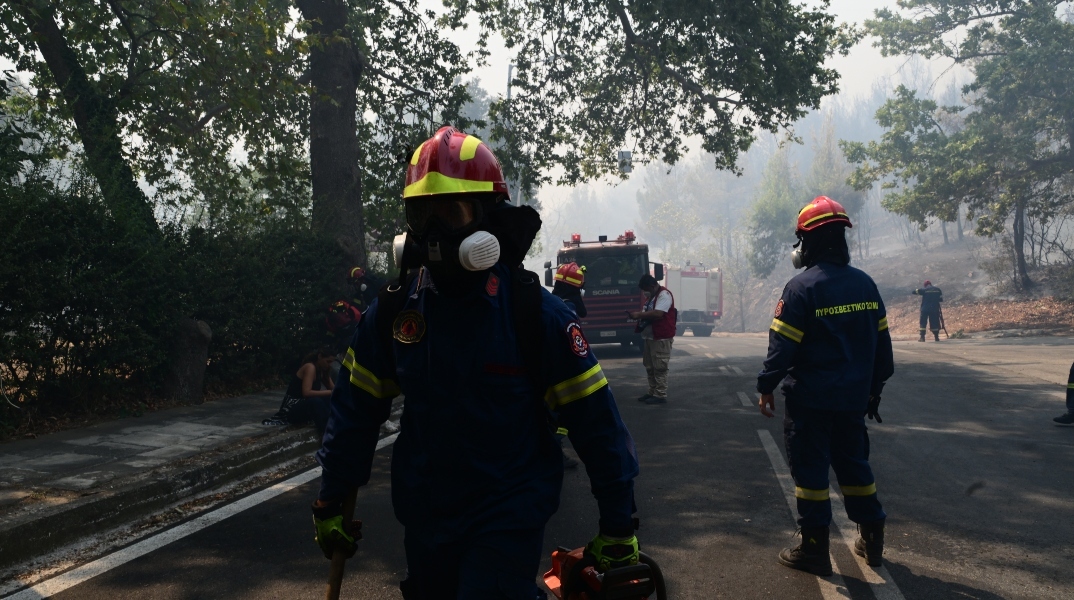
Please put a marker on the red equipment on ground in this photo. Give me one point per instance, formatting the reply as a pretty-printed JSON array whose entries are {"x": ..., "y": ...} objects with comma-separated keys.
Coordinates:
[{"x": 574, "y": 576}]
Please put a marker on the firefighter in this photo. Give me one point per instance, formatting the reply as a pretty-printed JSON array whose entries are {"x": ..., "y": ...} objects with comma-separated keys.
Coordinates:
[
  {"x": 476, "y": 472},
  {"x": 931, "y": 297},
  {"x": 829, "y": 346},
  {"x": 364, "y": 287},
  {"x": 656, "y": 324},
  {"x": 1067, "y": 419},
  {"x": 569, "y": 281}
]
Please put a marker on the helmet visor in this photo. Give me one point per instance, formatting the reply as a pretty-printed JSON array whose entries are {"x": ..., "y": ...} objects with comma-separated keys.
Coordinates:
[{"x": 453, "y": 215}]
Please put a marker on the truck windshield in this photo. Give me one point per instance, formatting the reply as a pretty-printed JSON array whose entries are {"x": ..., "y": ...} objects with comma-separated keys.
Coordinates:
[{"x": 611, "y": 271}]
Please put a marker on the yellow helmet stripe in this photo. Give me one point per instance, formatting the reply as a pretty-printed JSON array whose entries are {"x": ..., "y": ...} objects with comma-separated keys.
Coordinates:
[
  {"x": 824, "y": 216},
  {"x": 469, "y": 148},
  {"x": 436, "y": 183},
  {"x": 417, "y": 155}
]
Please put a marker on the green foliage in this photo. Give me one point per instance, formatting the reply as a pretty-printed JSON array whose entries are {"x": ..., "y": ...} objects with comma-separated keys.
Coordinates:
[
  {"x": 1011, "y": 156},
  {"x": 773, "y": 216},
  {"x": 596, "y": 77}
]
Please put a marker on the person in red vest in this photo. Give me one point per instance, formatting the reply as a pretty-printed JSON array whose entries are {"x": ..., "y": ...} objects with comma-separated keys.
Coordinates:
[{"x": 656, "y": 324}]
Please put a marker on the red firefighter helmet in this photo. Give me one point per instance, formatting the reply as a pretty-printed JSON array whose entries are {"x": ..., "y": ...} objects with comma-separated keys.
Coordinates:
[
  {"x": 452, "y": 162},
  {"x": 572, "y": 274},
  {"x": 341, "y": 315},
  {"x": 821, "y": 211},
  {"x": 356, "y": 273}
]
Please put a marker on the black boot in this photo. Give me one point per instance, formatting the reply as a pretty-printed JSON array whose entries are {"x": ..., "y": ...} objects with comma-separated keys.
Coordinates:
[
  {"x": 871, "y": 543},
  {"x": 811, "y": 555},
  {"x": 936, "y": 334},
  {"x": 922, "y": 338}
]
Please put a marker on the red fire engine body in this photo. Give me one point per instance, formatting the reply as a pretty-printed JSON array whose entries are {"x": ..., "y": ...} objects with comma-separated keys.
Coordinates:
[{"x": 613, "y": 268}]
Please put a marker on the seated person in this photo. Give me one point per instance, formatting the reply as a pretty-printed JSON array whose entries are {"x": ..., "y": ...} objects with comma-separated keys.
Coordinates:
[{"x": 308, "y": 392}]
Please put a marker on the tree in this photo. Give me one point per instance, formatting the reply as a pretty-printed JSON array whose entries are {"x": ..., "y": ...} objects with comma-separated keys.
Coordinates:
[
  {"x": 596, "y": 77},
  {"x": 1013, "y": 154},
  {"x": 772, "y": 218}
]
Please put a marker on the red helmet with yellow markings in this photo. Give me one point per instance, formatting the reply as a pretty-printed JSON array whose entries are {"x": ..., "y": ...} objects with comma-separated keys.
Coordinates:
[
  {"x": 452, "y": 162},
  {"x": 821, "y": 211},
  {"x": 572, "y": 274}
]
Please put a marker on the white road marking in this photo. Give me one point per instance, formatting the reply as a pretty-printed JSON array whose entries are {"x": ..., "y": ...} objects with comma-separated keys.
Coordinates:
[
  {"x": 725, "y": 369},
  {"x": 830, "y": 587},
  {"x": 745, "y": 399},
  {"x": 55, "y": 585},
  {"x": 720, "y": 356},
  {"x": 698, "y": 346},
  {"x": 737, "y": 370},
  {"x": 879, "y": 579},
  {"x": 709, "y": 355}
]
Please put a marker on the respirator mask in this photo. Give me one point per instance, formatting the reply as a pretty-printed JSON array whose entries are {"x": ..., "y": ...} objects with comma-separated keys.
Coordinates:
[
  {"x": 449, "y": 234},
  {"x": 798, "y": 255}
]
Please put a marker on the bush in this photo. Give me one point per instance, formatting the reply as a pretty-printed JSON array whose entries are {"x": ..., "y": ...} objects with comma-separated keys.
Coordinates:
[{"x": 87, "y": 312}]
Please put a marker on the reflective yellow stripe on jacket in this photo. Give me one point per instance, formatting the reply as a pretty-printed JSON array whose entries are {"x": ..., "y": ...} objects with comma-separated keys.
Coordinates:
[
  {"x": 576, "y": 388},
  {"x": 365, "y": 379},
  {"x": 883, "y": 324},
  {"x": 791, "y": 333}
]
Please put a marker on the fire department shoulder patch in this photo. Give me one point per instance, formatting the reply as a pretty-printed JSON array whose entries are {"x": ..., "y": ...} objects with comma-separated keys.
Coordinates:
[
  {"x": 579, "y": 345},
  {"x": 409, "y": 327},
  {"x": 779, "y": 308},
  {"x": 492, "y": 286}
]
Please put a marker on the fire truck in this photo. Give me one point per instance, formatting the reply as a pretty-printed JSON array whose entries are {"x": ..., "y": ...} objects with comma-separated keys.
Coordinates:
[
  {"x": 613, "y": 268},
  {"x": 698, "y": 296}
]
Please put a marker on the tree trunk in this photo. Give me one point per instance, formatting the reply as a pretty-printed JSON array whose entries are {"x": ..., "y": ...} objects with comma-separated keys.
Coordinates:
[
  {"x": 95, "y": 120},
  {"x": 186, "y": 368},
  {"x": 943, "y": 228},
  {"x": 334, "y": 167},
  {"x": 958, "y": 222},
  {"x": 741, "y": 311},
  {"x": 1020, "y": 268}
]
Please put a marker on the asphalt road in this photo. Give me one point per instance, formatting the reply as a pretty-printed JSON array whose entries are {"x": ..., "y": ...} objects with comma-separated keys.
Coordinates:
[{"x": 976, "y": 480}]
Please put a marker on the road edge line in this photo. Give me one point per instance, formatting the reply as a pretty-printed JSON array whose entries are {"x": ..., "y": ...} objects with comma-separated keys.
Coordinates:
[
  {"x": 83, "y": 573},
  {"x": 831, "y": 587}
]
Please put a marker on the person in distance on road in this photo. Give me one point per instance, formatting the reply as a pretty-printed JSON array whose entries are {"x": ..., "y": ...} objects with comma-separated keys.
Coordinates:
[
  {"x": 484, "y": 356},
  {"x": 1067, "y": 420},
  {"x": 829, "y": 346},
  {"x": 931, "y": 297},
  {"x": 656, "y": 324}
]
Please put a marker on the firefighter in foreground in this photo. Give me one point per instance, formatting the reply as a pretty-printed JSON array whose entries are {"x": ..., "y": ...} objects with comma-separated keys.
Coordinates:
[
  {"x": 476, "y": 472},
  {"x": 829, "y": 346},
  {"x": 931, "y": 297}
]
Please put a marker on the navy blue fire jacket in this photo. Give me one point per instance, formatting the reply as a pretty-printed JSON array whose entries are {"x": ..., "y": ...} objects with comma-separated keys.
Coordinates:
[
  {"x": 931, "y": 297},
  {"x": 476, "y": 451},
  {"x": 829, "y": 342}
]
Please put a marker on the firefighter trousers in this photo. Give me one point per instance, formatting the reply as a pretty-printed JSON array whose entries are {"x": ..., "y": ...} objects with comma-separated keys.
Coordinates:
[
  {"x": 816, "y": 439},
  {"x": 498, "y": 565},
  {"x": 655, "y": 356},
  {"x": 930, "y": 316},
  {"x": 1070, "y": 390}
]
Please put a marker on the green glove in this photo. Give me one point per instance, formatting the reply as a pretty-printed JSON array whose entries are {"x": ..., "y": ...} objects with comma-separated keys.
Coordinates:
[
  {"x": 331, "y": 534},
  {"x": 611, "y": 553}
]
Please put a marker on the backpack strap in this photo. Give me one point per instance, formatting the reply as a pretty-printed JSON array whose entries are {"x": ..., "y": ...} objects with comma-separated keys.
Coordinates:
[
  {"x": 529, "y": 327},
  {"x": 390, "y": 301}
]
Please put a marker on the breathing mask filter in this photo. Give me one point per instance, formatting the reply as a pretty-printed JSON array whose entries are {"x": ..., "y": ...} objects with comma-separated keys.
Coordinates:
[
  {"x": 797, "y": 256},
  {"x": 476, "y": 252}
]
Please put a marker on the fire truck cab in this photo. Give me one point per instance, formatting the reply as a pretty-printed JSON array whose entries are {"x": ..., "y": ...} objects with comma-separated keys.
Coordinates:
[{"x": 613, "y": 268}]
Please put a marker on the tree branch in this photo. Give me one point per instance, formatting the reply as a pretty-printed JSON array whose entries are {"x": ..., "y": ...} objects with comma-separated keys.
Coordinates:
[
  {"x": 684, "y": 82},
  {"x": 200, "y": 124},
  {"x": 368, "y": 67},
  {"x": 128, "y": 83}
]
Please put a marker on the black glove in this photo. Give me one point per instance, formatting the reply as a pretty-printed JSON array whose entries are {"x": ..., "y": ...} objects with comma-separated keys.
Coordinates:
[{"x": 873, "y": 411}]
